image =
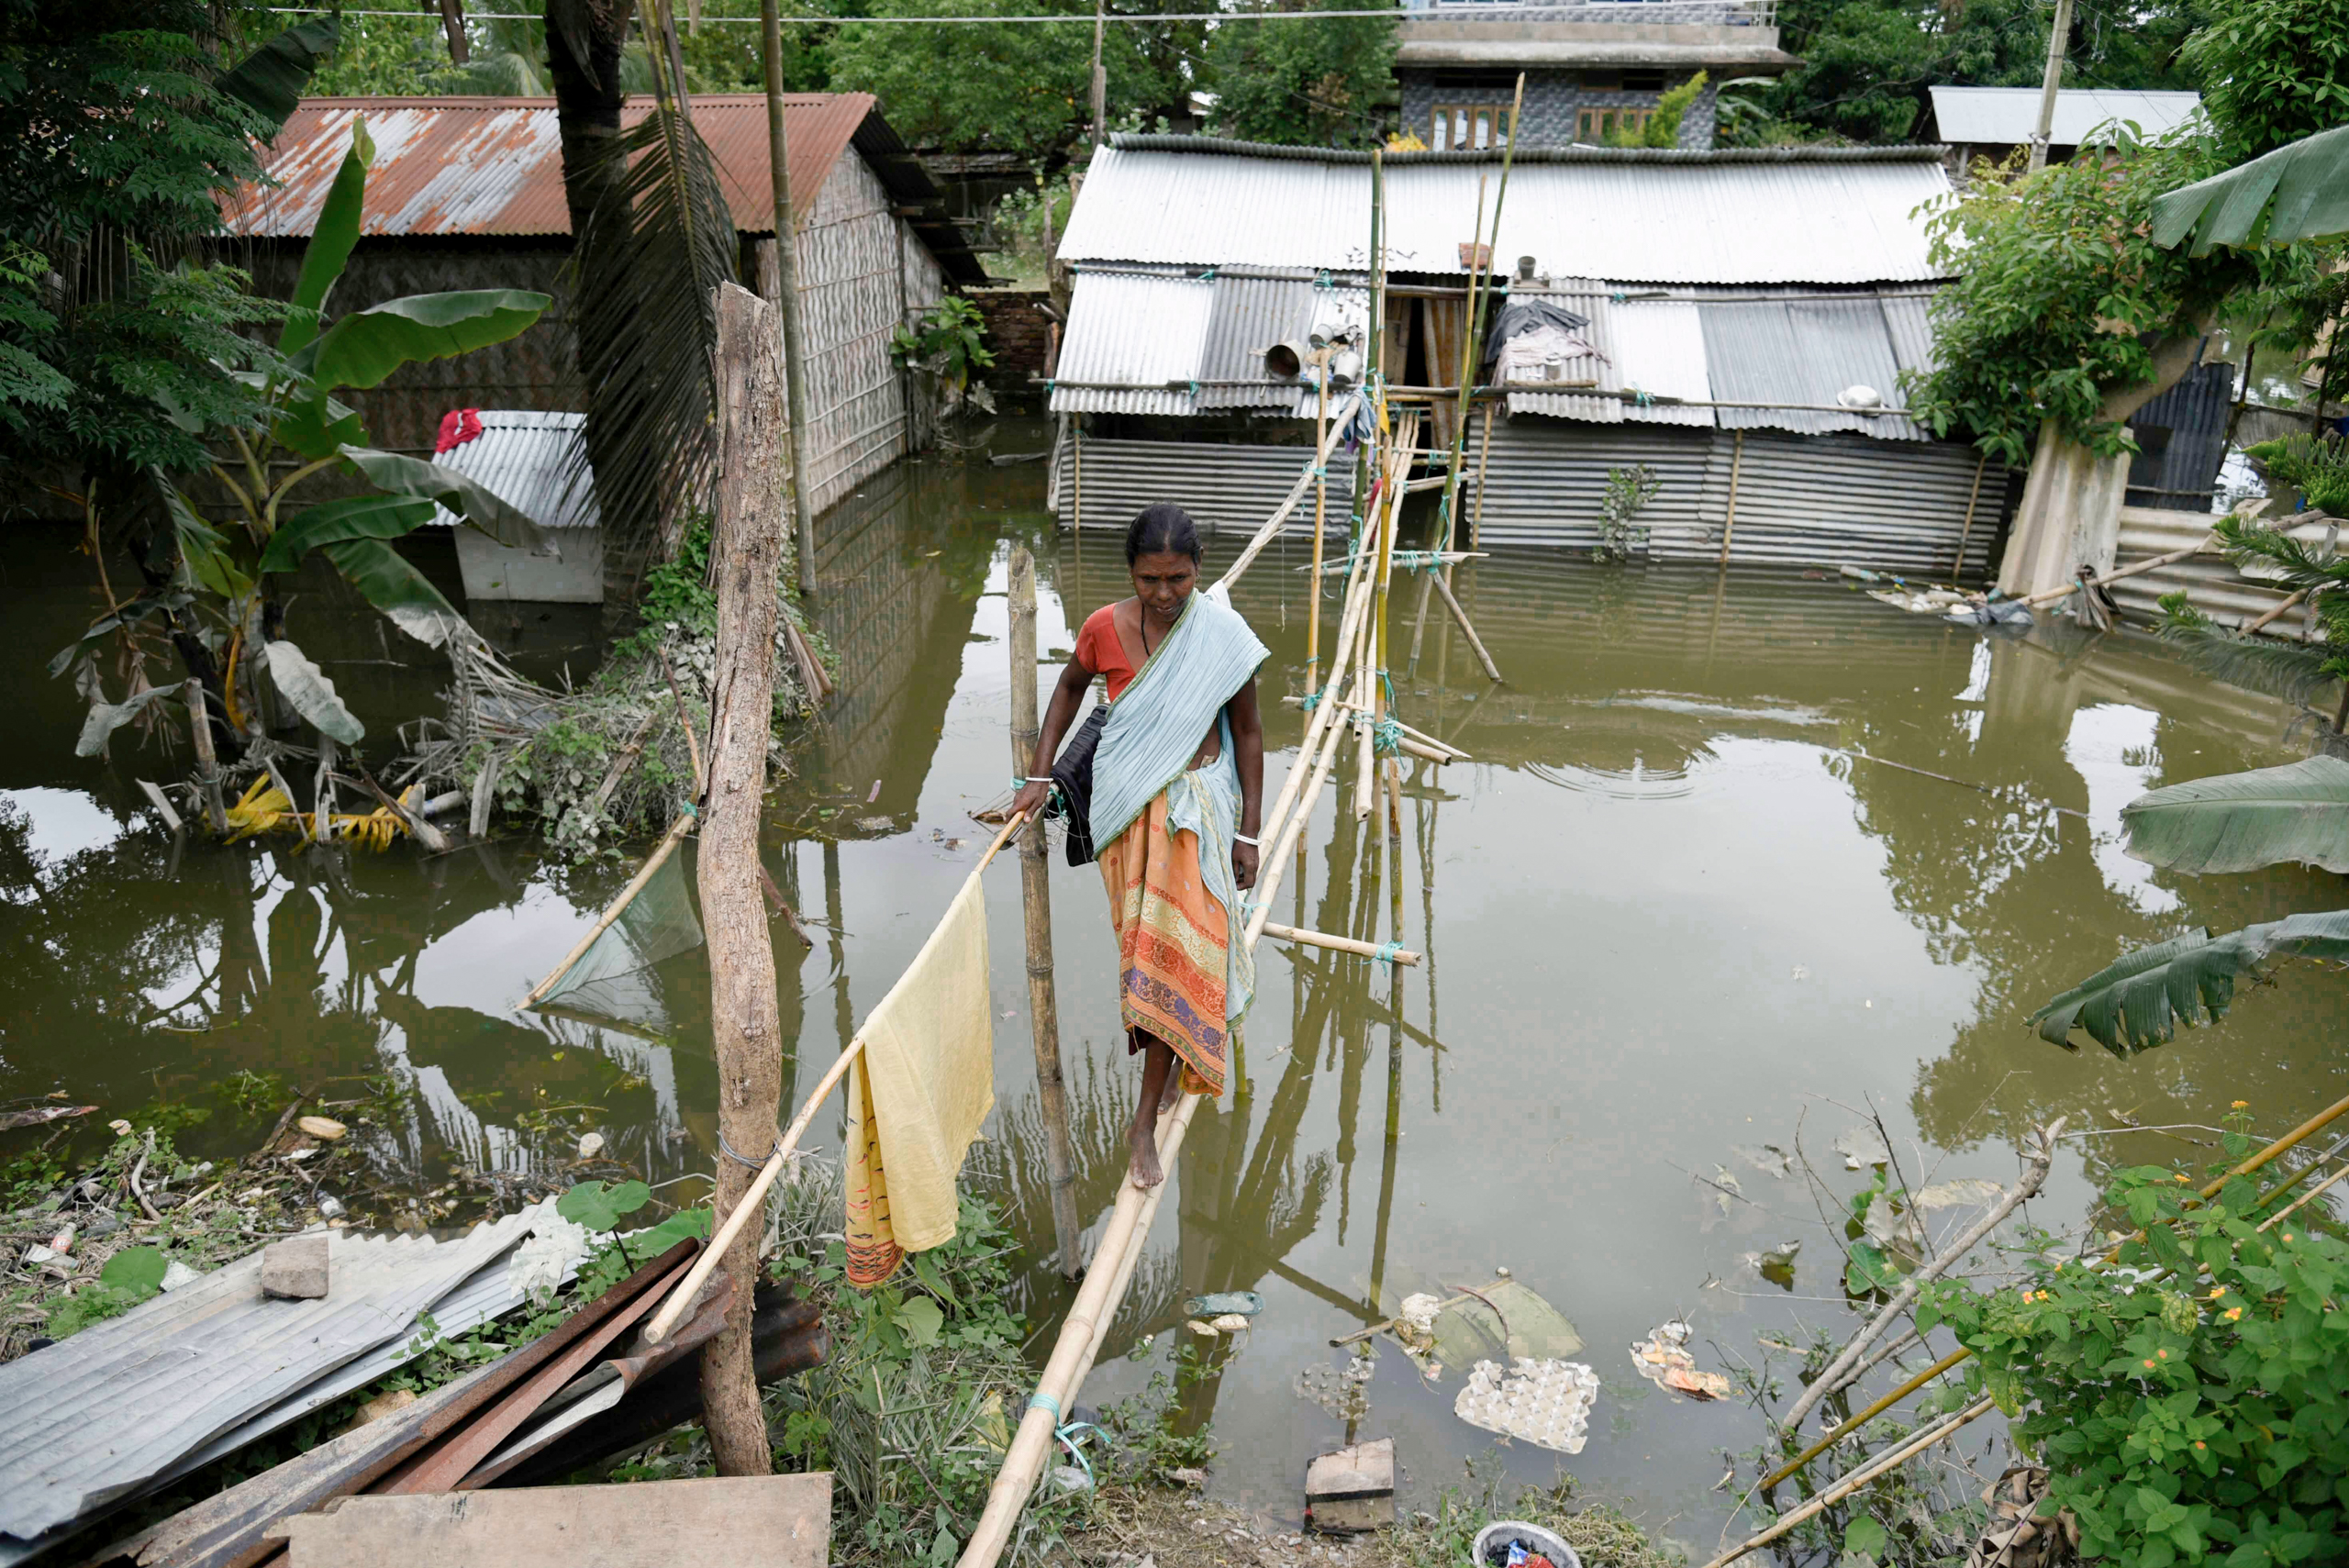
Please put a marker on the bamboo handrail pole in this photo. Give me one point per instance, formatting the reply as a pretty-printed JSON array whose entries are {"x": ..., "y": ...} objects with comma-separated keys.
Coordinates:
[
  {"x": 653, "y": 862},
  {"x": 1427, "y": 746},
  {"x": 1320, "y": 519},
  {"x": 2307, "y": 1197},
  {"x": 1881, "y": 1465},
  {"x": 754, "y": 1198},
  {"x": 2280, "y": 610},
  {"x": 1864, "y": 1417},
  {"x": 1339, "y": 944},
  {"x": 1277, "y": 863},
  {"x": 1324, "y": 712},
  {"x": 2050, "y": 595},
  {"x": 1271, "y": 525}
]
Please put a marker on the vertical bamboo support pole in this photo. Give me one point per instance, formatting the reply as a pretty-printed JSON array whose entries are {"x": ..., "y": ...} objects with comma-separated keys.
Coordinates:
[
  {"x": 1473, "y": 327},
  {"x": 746, "y": 1021},
  {"x": 1965, "y": 535},
  {"x": 1320, "y": 519},
  {"x": 1476, "y": 519},
  {"x": 1728, "y": 522},
  {"x": 207, "y": 765},
  {"x": 786, "y": 271},
  {"x": 1036, "y": 905}
]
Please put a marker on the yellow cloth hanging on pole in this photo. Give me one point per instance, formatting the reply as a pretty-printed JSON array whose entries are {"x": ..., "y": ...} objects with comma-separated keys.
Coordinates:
[{"x": 917, "y": 1095}]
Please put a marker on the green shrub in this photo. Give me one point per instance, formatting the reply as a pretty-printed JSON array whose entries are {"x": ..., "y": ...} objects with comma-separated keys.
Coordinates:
[{"x": 2191, "y": 1395}]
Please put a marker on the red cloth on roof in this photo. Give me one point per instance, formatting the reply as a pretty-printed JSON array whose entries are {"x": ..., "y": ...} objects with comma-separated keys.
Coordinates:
[{"x": 458, "y": 426}]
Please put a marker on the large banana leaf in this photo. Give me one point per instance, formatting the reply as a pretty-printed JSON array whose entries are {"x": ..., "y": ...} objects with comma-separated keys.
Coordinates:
[
  {"x": 319, "y": 426},
  {"x": 650, "y": 258},
  {"x": 2243, "y": 821},
  {"x": 2139, "y": 1001},
  {"x": 301, "y": 683},
  {"x": 204, "y": 552},
  {"x": 359, "y": 516},
  {"x": 484, "y": 509},
  {"x": 270, "y": 80},
  {"x": 362, "y": 348},
  {"x": 397, "y": 589},
  {"x": 2300, "y": 191},
  {"x": 331, "y": 240}
]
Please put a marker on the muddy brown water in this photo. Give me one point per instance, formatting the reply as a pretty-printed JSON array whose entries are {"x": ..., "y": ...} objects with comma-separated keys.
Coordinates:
[{"x": 1673, "y": 910}]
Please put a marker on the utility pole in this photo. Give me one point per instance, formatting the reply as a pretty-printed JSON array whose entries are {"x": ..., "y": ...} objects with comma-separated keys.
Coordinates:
[
  {"x": 786, "y": 270},
  {"x": 2057, "y": 38},
  {"x": 1100, "y": 76}
]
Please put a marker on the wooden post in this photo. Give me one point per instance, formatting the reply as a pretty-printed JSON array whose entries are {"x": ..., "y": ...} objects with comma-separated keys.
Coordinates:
[
  {"x": 787, "y": 272},
  {"x": 1736, "y": 462},
  {"x": 1965, "y": 535},
  {"x": 746, "y": 1022},
  {"x": 1036, "y": 903},
  {"x": 207, "y": 765},
  {"x": 1484, "y": 451}
]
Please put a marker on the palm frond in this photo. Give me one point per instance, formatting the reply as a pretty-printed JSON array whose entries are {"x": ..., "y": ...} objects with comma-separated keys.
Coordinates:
[
  {"x": 2235, "y": 822},
  {"x": 2291, "y": 671},
  {"x": 647, "y": 264},
  {"x": 2296, "y": 563},
  {"x": 2139, "y": 1001}
]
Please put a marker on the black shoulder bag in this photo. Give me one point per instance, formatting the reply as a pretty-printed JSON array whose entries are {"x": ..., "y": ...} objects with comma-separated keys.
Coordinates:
[{"x": 1072, "y": 799}]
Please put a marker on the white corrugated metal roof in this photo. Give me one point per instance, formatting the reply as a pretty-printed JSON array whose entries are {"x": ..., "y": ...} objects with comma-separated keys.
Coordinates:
[
  {"x": 1660, "y": 218},
  {"x": 2010, "y": 114},
  {"x": 532, "y": 461},
  {"x": 1133, "y": 331}
]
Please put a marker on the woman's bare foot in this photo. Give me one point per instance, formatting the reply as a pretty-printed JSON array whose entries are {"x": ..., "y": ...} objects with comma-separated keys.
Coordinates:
[{"x": 1143, "y": 1169}]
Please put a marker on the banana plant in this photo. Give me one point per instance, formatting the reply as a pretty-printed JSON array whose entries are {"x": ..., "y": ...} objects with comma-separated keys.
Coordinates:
[
  {"x": 2298, "y": 813},
  {"x": 304, "y": 432}
]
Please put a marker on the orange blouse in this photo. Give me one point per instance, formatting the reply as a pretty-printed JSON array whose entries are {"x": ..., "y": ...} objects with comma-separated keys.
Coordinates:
[{"x": 1103, "y": 652}]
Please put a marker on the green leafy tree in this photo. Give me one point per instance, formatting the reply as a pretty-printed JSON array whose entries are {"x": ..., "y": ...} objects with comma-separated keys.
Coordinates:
[
  {"x": 2063, "y": 311},
  {"x": 1024, "y": 88},
  {"x": 1867, "y": 64},
  {"x": 1663, "y": 129},
  {"x": 1321, "y": 84},
  {"x": 2272, "y": 71}
]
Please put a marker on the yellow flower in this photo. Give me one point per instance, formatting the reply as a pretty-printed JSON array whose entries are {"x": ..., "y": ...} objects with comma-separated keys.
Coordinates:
[
  {"x": 2240, "y": 1104},
  {"x": 2232, "y": 1313}
]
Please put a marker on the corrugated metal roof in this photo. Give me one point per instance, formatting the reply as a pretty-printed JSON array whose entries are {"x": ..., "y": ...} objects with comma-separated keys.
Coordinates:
[
  {"x": 1131, "y": 328},
  {"x": 530, "y": 461},
  {"x": 90, "y": 1418},
  {"x": 1651, "y": 345},
  {"x": 1802, "y": 352},
  {"x": 1657, "y": 218},
  {"x": 1908, "y": 315},
  {"x": 495, "y": 165},
  {"x": 2011, "y": 113}
]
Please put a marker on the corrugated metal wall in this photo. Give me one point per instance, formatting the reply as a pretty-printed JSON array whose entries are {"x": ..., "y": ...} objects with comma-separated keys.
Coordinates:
[
  {"x": 2211, "y": 582},
  {"x": 2189, "y": 424},
  {"x": 1839, "y": 499},
  {"x": 1830, "y": 499},
  {"x": 1223, "y": 487}
]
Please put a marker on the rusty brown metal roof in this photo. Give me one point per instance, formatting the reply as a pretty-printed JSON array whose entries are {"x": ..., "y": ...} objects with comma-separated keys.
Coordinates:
[{"x": 493, "y": 166}]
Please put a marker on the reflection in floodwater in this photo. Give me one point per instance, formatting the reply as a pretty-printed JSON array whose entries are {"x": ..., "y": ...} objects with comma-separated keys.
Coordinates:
[{"x": 1733, "y": 853}]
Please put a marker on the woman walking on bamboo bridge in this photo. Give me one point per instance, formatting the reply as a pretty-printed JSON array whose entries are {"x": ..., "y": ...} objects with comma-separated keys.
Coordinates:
[{"x": 1177, "y": 781}]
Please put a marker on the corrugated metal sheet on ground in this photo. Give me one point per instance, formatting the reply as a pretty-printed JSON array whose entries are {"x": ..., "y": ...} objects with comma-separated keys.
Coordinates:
[
  {"x": 1803, "y": 352},
  {"x": 87, "y": 1420},
  {"x": 1156, "y": 325},
  {"x": 480, "y": 165},
  {"x": 532, "y": 461},
  {"x": 2010, "y": 114},
  {"x": 1222, "y": 487},
  {"x": 2211, "y": 582},
  {"x": 1686, "y": 218},
  {"x": 1800, "y": 501},
  {"x": 1652, "y": 346}
]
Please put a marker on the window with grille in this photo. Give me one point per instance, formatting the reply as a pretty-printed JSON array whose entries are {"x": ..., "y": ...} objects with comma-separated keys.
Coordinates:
[
  {"x": 1465, "y": 126},
  {"x": 1598, "y": 125}
]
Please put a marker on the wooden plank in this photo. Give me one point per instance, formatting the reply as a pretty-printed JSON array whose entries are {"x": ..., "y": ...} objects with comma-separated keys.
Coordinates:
[{"x": 742, "y": 1521}]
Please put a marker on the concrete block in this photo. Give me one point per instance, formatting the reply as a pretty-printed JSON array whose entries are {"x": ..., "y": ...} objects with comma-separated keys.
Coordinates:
[
  {"x": 295, "y": 1269},
  {"x": 1352, "y": 1490}
]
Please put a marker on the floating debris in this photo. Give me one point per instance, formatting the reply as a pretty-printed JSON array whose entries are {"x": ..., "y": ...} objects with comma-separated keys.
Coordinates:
[
  {"x": 1546, "y": 1402},
  {"x": 1962, "y": 1193},
  {"x": 1342, "y": 1392},
  {"x": 1663, "y": 1360},
  {"x": 1862, "y": 1145}
]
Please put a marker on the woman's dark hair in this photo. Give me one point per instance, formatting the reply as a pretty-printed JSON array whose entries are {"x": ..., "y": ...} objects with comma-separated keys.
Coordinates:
[{"x": 1161, "y": 528}]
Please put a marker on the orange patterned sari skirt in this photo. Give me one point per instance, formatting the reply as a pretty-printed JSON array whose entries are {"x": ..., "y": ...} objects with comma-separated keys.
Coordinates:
[{"x": 1174, "y": 937}]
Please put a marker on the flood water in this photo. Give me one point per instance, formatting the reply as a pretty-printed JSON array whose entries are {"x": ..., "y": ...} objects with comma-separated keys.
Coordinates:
[{"x": 1675, "y": 907}]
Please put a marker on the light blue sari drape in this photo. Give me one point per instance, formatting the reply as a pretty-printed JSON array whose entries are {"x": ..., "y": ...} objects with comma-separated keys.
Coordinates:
[{"x": 1153, "y": 731}]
